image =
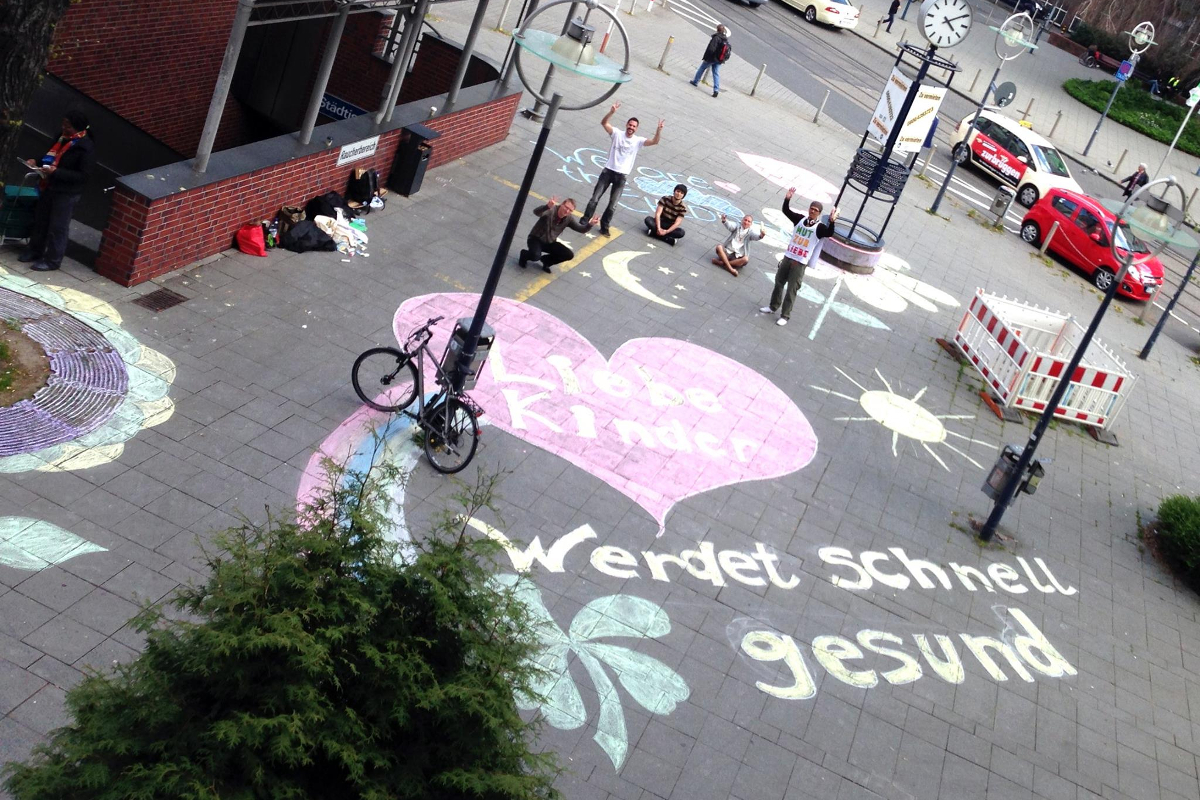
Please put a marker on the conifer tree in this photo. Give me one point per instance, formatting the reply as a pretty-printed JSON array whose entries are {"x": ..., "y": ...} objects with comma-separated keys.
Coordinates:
[{"x": 316, "y": 661}]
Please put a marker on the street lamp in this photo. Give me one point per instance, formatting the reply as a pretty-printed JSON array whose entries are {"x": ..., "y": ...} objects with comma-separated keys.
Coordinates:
[
  {"x": 571, "y": 51},
  {"x": 1158, "y": 223},
  {"x": 1140, "y": 39},
  {"x": 1193, "y": 99},
  {"x": 1012, "y": 39}
]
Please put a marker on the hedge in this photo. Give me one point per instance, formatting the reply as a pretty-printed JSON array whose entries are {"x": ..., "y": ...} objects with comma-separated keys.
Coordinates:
[
  {"x": 1137, "y": 109},
  {"x": 1178, "y": 532}
]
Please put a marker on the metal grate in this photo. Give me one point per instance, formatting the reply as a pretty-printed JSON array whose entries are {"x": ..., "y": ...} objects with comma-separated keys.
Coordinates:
[{"x": 160, "y": 300}]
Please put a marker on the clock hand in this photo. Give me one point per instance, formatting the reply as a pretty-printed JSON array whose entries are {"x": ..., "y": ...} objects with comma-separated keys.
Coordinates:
[{"x": 962, "y": 16}]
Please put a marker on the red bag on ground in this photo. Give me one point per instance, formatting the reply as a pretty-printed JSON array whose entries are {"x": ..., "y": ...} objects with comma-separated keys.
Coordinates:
[{"x": 250, "y": 240}]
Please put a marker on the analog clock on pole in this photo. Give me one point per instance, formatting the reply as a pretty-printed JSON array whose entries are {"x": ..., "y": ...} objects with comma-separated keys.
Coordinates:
[{"x": 945, "y": 23}]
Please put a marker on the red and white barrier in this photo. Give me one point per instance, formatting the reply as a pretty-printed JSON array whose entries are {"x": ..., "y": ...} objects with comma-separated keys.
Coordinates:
[{"x": 1021, "y": 351}]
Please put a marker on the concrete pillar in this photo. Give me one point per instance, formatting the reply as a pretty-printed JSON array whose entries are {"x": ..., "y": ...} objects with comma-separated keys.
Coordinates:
[
  {"x": 464, "y": 61},
  {"x": 323, "y": 72},
  {"x": 216, "y": 106}
]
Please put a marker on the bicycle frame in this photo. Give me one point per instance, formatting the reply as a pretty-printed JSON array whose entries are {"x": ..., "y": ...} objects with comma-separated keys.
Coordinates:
[{"x": 424, "y": 336}]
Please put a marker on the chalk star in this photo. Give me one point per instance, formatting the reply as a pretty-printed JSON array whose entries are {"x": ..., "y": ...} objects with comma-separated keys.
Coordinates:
[
  {"x": 693, "y": 274},
  {"x": 681, "y": 287},
  {"x": 589, "y": 236},
  {"x": 664, "y": 270},
  {"x": 586, "y": 274}
]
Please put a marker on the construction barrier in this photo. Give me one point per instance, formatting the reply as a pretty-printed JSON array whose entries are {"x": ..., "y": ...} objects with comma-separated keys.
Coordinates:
[{"x": 1021, "y": 351}]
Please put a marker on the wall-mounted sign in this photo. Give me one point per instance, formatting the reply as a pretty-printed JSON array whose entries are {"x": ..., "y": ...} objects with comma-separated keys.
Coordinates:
[
  {"x": 356, "y": 150},
  {"x": 337, "y": 108}
]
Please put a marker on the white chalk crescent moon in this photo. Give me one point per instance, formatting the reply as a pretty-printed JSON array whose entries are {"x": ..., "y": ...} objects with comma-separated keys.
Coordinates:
[{"x": 617, "y": 267}]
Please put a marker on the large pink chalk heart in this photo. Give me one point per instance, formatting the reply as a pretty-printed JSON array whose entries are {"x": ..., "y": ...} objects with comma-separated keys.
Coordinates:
[
  {"x": 808, "y": 184},
  {"x": 660, "y": 421}
]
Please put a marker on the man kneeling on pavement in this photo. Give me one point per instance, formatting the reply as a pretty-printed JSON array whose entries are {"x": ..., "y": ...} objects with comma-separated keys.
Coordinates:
[
  {"x": 543, "y": 243},
  {"x": 734, "y": 252},
  {"x": 667, "y": 220}
]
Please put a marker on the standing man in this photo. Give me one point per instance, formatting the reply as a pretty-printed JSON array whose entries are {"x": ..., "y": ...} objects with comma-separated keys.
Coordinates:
[
  {"x": 543, "y": 243},
  {"x": 716, "y": 54},
  {"x": 1137, "y": 179},
  {"x": 622, "y": 150},
  {"x": 64, "y": 171},
  {"x": 893, "y": 9},
  {"x": 802, "y": 250},
  {"x": 666, "y": 222},
  {"x": 734, "y": 252}
]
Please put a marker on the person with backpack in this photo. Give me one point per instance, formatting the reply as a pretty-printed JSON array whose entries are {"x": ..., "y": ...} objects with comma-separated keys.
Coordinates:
[{"x": 716, "y": 54}]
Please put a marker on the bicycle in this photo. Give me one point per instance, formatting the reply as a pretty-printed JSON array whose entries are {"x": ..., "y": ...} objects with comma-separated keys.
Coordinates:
[{"x": 448, "y": 420}]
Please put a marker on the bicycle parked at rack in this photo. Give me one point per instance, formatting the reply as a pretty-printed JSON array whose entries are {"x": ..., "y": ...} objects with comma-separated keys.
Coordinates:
[{"x": 390, "y": 380}]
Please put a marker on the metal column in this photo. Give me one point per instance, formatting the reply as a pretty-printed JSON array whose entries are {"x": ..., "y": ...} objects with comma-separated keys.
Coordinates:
[
  {"x": 464, "y": 61},
  {"x": 394, "y": 77},
  {"x": 216, "y": 106},
  {"x": 323, "y": 72},
  {"x": 408, "y": 43}
]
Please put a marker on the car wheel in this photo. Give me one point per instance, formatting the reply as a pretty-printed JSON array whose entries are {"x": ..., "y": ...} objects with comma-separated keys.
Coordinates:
[
  {"x": 1103, "y": 278},
  {"x": 1031, "y": 233},
  {"x": 810, "y": 14},
  {"x": 1027, "y": 195},
  {"x": 960, "y": 154}
]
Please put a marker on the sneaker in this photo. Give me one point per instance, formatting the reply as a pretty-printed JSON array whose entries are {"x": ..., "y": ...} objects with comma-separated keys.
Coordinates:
[
  {"x": 605, "y": 232},
  {"x": 27, "y": 256},
  {"x": 545, "y": 268},
  {"x": 715, "y": 94},
  {"x": 670, "y": 240},
  {"x": 693, "y": 83},
  {"x": 523, "y": 259},
  {"x": 766, "y": 310},
  {"x": 42, "y": 266},
  {"x": 781, "y": 321}
]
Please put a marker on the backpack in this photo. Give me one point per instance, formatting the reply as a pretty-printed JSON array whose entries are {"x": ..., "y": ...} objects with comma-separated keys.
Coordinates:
[
  {"x": 363, "y": 185},
  {"x": 723, "y": 53},
  {"x": 326, "y": 205}
]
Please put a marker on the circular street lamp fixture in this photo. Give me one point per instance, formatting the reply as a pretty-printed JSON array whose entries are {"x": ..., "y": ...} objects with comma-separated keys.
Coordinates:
[
  {"x": 1141, "y": 37},
  {"x": 572, "y": 51},
  {"x": 1014, "y": 36},
  {"x": 1157, "y": 223}
]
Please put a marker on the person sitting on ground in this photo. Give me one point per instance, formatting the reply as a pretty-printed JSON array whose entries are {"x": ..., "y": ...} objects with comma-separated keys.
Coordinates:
[
  {"x": 543, "y": 243},
  {"x": 667, "y": 220},
  {"x": 734, "y": 252}
]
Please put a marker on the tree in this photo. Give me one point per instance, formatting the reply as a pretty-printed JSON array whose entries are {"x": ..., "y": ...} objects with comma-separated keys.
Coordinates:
[
  {"x": 26, "y": 32},
  {"x": 315, "y": 662}
]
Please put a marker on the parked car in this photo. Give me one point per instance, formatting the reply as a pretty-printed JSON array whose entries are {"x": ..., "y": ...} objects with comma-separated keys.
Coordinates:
[
  {"x": 1014, "y": 154},
  {"x": 1082, "y": 239},
  {"x": 838, "y": 13},
  {"x": 752, "y": 3}
]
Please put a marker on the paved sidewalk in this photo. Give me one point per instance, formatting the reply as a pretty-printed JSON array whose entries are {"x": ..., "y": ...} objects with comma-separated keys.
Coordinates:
[
  {"x": 1039, "y": 77},
  {"x": 769, "y": 622}
]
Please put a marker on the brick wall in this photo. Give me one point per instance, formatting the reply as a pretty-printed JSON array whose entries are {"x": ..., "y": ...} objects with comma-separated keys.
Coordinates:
[
  {"x": 147, "y": 238},
  {"x": 154, "y": 63}
]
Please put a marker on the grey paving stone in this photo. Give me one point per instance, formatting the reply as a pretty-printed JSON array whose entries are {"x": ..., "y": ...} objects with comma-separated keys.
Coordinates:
[
  {"x": 102, "y": 611},
  {"x": 43, "y": 711},
  {"x": 54, "y": 588},
  {"x": 56, "y": 672},
  {"x": 64, "y": 638},
  {"x": 138, "y": 584}
]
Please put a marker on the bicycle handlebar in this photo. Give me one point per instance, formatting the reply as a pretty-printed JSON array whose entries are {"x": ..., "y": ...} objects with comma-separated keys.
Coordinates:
[{"x": 424, "y": 329}]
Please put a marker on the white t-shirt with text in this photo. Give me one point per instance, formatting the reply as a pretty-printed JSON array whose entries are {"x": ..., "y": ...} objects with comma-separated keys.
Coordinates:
[{"x": 622, "y": 151}]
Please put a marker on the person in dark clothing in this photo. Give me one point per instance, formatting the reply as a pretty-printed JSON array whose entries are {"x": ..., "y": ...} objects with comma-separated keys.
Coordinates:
[
  {"x": 803, "y": 248},
  {"x": 65, "y": 171},
  {"x": 543, "y": 244},
  {"x": 666, "y": 222},
  {"x": 893, "y": 9},
  {"x": 716, "y": 54},
  {"x": 1138, "y": 179}
]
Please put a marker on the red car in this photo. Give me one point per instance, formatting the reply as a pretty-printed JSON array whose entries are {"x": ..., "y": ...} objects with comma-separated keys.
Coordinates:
[{"x": 1082, "y": 239}]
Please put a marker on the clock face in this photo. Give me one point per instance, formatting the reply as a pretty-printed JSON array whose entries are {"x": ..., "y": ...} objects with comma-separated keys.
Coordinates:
[{"x": 945, "y": 23}]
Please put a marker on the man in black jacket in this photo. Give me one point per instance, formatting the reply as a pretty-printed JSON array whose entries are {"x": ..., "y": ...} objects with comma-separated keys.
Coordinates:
[
  {"x": 716, "y": 54},
  {"x": 1135, "y": 181},
  {"x": 543, "y": 243},
  {"x": 65, "y": 171}
]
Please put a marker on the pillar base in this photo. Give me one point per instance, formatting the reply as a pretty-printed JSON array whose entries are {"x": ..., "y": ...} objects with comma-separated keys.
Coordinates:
[{"x": 857, "y": 253}]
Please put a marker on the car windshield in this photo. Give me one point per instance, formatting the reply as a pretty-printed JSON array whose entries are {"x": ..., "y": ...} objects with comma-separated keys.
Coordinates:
[
  {"x": 1050, "y": 161},
  {"x": 1123, "y": 239}
]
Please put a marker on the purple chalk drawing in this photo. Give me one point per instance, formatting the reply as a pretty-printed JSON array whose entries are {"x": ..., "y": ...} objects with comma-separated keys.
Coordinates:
[{"x": 660, "y": 421}]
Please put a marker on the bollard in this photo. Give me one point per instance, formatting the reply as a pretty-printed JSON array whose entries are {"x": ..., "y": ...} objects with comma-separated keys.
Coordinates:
[
  {"x": 978, "y": 72},
  {"x": 631, "y": 5},
  {"x": 761, "y": 71},
  {"x": 1150, "y": 303},
  {"x": 1188, "y": 204},
  {"x": 876, "y": 34},
  {"x": 503, "y": 14},
  {"x": 1124, "y": 153},
  {"x": 928, "y": 158},
  {"x": 1054, "y": 127},
  {"x": 1025, "y": 113},
  {"x": 667, "y": 49},
  {"x": 1046, "y": 242},
  {"x": 604, "y": 42},
  {"x": 824, "y": 100}
]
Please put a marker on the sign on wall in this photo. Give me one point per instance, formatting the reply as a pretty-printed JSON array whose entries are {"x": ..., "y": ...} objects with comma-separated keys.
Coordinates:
[
  {"x": 337, "y": 108},
  {"x": 357, "y": 150}
]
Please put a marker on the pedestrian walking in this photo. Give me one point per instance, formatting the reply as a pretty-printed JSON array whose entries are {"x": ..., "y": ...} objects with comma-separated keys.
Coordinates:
[
  {"x": 64, "y": 170},
  {"x": 734, "y": 252},
  {"x": 716, "y": 54},
  {"x": 622, "y": 151},
  {"x": 542, "y": 243},
  {"x": 666, "y": 222},
  {"x": 1137, "y": 179},
  {"x": 890, "y": 17},
  {"x": 803, "y": 248}
]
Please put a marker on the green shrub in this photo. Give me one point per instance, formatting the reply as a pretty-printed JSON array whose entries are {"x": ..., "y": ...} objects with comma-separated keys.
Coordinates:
[
  {"x": 1137, "y": 109},
  {"x": 1179, "y": 530}
]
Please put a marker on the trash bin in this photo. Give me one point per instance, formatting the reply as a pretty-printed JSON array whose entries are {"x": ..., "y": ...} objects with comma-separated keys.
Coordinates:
[
  {"x": 1003, "y": 199},
  {"x": 1004, "y": 467},
  {"x": 454, "y": 348},
  {"x": 412, "y": 159}
]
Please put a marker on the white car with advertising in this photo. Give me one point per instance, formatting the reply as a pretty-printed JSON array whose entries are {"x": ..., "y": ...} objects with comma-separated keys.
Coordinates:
[
  {"x": 838, "y": 13},
  {"x": 1014, "y": 154}
]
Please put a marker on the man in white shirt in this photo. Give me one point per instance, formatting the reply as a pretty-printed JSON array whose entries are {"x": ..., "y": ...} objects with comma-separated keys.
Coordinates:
[
  {"x": 622, "y": 151},
  {"x": 734, "y": 253}
]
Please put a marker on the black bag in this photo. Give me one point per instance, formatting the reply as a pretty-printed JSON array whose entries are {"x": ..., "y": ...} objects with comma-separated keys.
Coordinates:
[
  {"x": 305, "y": 236},
  {"x": 326, "y": 205},
  {"x": 364, "y": 184}
]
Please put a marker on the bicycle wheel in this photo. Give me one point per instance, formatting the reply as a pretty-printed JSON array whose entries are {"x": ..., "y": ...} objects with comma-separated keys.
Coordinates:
[
  {"x": 385, "y": 379},
  {"x": 450, "y": 445}
]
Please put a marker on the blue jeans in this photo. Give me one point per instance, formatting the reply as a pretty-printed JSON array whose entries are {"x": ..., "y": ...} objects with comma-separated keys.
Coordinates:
[{"x": 716, "y": 69}]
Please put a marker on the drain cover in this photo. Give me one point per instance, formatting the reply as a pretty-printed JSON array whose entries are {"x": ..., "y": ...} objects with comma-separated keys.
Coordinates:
[{"x": 160, "y": 300}]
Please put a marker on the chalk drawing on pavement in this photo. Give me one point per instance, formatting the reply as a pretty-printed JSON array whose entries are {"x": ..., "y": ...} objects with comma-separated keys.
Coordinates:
[
  {"x": 33, "y": 544},
  {"x": 616, "y": 266},
  {"x": 904, "y": 416},
  {"x": 808, "y": 184},
  {"x": 652, "y": 684}
]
